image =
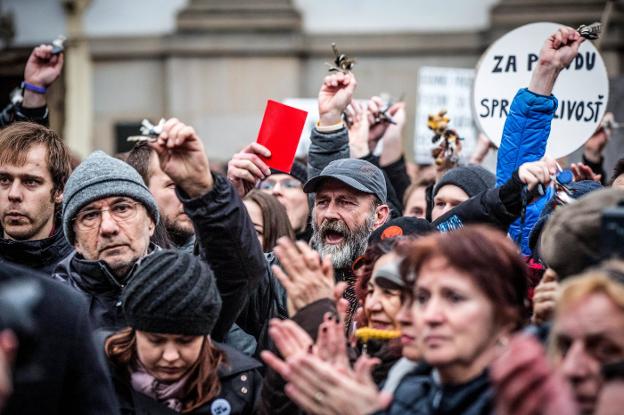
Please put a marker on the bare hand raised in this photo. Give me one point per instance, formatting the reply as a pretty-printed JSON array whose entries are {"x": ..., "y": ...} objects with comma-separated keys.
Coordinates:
[
  {"x": 246, "y": 168},
  {"x": 334, "y": 97},
  {"x": 558, "y": 52},
  {"x": 536, "y": 172},
  {"x": 303, "y": 274},
  {"x": 181, "y": 155},
  {"x": 42, "y": 69}
]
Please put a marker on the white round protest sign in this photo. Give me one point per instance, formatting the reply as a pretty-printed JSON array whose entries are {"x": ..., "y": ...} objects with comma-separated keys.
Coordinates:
[{"x": 582, "y": 89}]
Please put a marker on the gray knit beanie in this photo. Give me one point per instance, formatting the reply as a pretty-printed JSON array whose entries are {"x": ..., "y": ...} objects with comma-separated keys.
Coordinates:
[
  {"x": 172, "y": 292},
  {"x": 100, "y": 176},
  {"x": 471, "y": 179}
]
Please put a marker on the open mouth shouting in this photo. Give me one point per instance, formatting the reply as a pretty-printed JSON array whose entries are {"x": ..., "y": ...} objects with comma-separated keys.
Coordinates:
[{"x": 334, "y": 233}]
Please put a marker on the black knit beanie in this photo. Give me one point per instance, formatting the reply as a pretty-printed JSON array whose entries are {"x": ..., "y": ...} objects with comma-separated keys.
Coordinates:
[
  {"x": 471, "y": 179},
  {"x": 299, "y": 171},
  {"x": 172, "y": 292}
]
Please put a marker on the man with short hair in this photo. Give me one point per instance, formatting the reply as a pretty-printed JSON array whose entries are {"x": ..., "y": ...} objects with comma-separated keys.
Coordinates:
[
  {"x": 109, "y": 215},
  {"x": 34, "y": 166},
  {"x": 177, "y": 223}
]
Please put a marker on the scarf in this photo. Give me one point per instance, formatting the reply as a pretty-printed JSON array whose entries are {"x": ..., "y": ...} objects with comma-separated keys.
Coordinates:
[{"x": 170, "y": 394}]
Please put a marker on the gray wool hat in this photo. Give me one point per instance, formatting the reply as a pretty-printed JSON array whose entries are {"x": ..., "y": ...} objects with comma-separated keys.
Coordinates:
[
  {"x": 355, "y": 173},
  {"x": 100, "y": 176},
  {"x": 471, "y": 179}
]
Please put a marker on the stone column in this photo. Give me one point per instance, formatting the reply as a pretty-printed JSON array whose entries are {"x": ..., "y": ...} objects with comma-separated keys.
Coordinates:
[{"x": 78, "y": 89}]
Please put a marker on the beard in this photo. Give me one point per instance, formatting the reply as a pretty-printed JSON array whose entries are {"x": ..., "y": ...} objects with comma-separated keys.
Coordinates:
[
  {"x": 353, "y": 245},
  {"x": 179, "y": 233}
]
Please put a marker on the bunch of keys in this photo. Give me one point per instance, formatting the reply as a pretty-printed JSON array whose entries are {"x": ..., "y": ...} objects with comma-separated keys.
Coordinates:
[
  {"x": 383, "y": 116},
  {"x": 561, "y": 180},
  {"x": 149, "y": 131},
  {"x": 58, "y": 45},
  {"x": 342, "y": 63},
  {"x": 591, "y": 32}
]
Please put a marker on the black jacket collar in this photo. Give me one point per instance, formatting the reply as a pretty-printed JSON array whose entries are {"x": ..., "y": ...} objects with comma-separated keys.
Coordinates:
[
  {"x": 42, "y": 254},
  {"x": 95, "y": 277}
]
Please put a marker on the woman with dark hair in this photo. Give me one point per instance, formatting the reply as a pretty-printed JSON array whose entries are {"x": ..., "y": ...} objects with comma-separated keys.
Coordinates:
[
  {"x": 469, "y": 290},
  {"x": 165, "y": 361},
  {"x": 269, "y": 218}
]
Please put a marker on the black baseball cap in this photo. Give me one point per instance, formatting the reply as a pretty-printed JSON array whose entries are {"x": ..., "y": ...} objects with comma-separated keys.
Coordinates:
[{"x": 402, "y": 226}]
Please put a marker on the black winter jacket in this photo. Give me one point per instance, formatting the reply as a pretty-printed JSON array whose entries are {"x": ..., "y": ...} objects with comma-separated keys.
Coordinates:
[
  {"x": 418, "y": 393},
  {"x": 101, "y": 289},
  {"x": 227, "y": 241},
  {"x": 498, "y": 207},
  {"x": 42, "y": 255},
  {"x": 240, "y": 388},
  {"x": 61, "y": 372},
  {"x": 274, "y": 400},
  {"x": 15, "y": 112},
  {"x": 267, "y": 301}
]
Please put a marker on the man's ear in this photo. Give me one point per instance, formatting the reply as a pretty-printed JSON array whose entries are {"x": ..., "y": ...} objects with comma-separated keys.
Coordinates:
[
  {"x": 151, "y": 226},
  {"x": 382, "y": 214}
]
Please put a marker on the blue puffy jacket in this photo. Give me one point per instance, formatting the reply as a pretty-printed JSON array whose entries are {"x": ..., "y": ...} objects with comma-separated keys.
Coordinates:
[{"x": 524, "y": 139}]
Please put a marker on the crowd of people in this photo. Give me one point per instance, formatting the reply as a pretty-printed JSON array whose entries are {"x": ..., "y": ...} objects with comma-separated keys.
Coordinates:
[{"x": 148, "y": 282}]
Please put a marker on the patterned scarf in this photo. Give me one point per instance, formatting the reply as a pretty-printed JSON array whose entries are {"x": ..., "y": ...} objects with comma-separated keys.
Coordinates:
[{"x": 170, "y": 394}]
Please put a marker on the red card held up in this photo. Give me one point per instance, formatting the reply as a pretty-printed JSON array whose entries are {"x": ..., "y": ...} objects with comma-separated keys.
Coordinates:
[{"x": 280, "y": 132}]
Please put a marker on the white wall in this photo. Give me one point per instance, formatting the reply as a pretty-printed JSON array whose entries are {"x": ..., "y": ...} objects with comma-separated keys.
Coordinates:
[
  {"x": 353, "y": 16},
  {"x": 42, "y": 20}
]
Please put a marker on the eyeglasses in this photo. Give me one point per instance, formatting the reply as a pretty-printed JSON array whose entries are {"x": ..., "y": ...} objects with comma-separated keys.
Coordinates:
[
  {"x": 286, "y": 184},
  {"x": 120, "y": 212}
]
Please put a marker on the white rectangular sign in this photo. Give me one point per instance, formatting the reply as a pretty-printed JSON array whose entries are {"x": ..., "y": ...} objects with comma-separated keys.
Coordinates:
[{"x": 444, "y": 88}]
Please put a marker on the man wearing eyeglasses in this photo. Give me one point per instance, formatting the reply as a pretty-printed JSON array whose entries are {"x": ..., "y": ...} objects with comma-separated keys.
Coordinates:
[{"x": 109, "y": 216}]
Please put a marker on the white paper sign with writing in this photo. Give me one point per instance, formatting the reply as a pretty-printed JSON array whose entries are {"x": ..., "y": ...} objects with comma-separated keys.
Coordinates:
[
  {"x": 582, "y": 89},
  {"x": 444, "y": 88}
]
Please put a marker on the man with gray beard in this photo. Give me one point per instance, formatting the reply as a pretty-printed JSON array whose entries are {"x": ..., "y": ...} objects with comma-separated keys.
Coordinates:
[{"x": 349, "y": 203}]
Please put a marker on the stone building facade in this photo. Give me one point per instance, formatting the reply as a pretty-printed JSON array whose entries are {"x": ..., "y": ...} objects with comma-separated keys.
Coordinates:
[{"x": 225, "y": 58}]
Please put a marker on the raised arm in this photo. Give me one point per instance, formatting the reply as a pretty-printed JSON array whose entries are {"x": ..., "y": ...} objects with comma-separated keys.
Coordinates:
[
  {"x": 42, "y": 69},
  {"x": 330, "y": 139},
  {"x": 225, "y": 233}
]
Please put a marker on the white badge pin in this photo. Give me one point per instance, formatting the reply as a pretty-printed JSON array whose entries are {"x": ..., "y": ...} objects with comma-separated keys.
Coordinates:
[{"x": 220, "y": 407}]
